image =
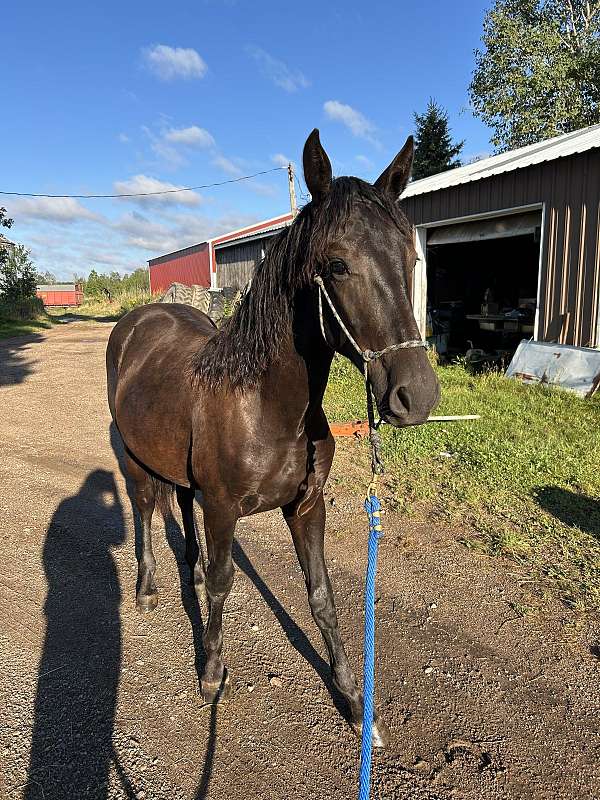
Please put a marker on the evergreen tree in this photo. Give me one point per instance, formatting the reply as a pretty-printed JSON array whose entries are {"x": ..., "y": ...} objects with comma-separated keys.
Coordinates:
[{"x": 434, "y": 150}]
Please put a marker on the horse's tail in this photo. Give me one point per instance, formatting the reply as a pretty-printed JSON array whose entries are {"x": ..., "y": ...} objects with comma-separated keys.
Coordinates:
[{"x": 163, "y": 495}]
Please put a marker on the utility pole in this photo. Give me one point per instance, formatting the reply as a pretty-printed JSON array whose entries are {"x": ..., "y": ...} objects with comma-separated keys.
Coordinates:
[{"x": 293, "y": 204}]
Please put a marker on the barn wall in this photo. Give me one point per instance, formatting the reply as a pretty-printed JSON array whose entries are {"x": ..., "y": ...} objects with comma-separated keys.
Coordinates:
[
  {"x": 569, "y": 289},
  {"x": 190, "y": 267},
  {"x": 236, "y": 263}
]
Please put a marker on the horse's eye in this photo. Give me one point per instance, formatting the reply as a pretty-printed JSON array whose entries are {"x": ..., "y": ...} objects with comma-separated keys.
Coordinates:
[{"x": 338, "y": 267}]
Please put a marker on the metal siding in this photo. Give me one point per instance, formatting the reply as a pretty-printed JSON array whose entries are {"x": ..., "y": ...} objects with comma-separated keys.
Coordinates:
[
  {"x": 191, "y": 268},
  {"x": 570, "y": 241},
  {"x": 236, "y": 264},
  {"x": 60, "y": 298}
]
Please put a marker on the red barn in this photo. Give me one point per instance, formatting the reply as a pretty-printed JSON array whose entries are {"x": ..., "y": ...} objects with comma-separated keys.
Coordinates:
[
  {"x": 190, "y": 266},
  {"x": 226, "y": 260},
  {"x": 61, "y": 294}
]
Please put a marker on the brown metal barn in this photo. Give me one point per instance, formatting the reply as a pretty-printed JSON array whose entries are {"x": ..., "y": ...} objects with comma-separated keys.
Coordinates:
[{"x": 511, "y": 245}]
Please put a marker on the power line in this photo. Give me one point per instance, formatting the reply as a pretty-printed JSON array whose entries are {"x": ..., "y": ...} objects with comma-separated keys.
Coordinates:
[
  {"x": 303, "y": 194},
  {"x": 140, "y": 194}
]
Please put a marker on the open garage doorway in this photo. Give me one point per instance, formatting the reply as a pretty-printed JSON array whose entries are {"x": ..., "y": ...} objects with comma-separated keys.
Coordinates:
[{"x": 482, "y": 284}]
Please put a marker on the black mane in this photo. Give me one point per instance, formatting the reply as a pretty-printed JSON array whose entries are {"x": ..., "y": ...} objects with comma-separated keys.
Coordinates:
[{"x": 251, "y": 339}]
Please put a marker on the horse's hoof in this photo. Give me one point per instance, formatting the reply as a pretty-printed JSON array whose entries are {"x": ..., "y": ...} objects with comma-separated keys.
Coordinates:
[
  {"x": 380, "y": 733},
  {"x": 146, "y": 603},
  {"x": 217, "y": 692}
]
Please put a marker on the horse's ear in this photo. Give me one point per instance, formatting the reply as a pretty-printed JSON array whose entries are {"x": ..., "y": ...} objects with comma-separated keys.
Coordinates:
[
  {"x": 317, "y": 167},
  {"x": 393, "y": 180}
]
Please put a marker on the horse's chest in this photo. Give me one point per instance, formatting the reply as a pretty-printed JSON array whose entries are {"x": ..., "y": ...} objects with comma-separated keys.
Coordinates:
[{"x": 283, "y": 478}]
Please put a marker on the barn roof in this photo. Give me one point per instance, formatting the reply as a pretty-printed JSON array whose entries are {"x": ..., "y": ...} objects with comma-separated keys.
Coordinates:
[
  {"x": 560, "y": 146},
  {"x": 254, "y": 231},
  {"x": 57, "y": 287}
]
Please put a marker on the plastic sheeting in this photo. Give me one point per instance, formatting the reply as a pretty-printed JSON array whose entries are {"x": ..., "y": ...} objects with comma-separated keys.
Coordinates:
[{"x": 574, "y": 368}]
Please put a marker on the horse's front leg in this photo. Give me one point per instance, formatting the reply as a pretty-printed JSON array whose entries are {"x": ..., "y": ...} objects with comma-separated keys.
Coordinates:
[
  {"x": 219, "y": 526},
  {"x": 308, "y": 533}
]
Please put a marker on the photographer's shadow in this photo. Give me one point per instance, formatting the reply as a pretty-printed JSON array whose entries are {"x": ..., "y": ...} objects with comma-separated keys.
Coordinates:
[{"x": 78, "y": 677}]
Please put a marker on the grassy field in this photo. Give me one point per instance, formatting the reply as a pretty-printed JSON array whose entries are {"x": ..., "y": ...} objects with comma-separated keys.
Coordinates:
[
  {"x": 19, "y": 317},
  {"x": 523, "y": 481}
]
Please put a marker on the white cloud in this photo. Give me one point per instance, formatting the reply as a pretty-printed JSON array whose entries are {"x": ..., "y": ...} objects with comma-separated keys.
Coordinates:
[
  {"x": 192, "y": 136},
  {"x": 264, "y": 189},
  {"x": 277, "y": 71},
  {"x": 228, "y": 166},
  {"x": 356, "y": 122},
  {"x": 365, "y": 162},
  {"x": 168, "y": 63},
  {"x": 53, "y": 209},
  {"x": 123, "y": 138},
  {"x": 280, "y": 160},
  {"x": 143, "y": 184},
  {"x": 175, "y": 231}
]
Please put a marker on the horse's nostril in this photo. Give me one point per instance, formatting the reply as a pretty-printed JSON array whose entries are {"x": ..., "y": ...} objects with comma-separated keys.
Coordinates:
[{"x": 400, "y": 402}]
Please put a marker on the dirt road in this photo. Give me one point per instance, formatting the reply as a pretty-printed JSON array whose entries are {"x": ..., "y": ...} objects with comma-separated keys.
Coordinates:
[{"x": 99, "y": 702}]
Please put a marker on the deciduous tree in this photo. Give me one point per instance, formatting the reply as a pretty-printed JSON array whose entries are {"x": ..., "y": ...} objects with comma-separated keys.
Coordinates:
[{"x": 538, "y": 72}]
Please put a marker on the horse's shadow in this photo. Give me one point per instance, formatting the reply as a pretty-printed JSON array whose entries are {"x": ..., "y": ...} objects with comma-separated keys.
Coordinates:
[{"x": 295, "y": 635}]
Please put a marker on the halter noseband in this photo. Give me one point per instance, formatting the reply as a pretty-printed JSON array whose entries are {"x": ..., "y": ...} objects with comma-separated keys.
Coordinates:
[{"x": 367, "y": 356}]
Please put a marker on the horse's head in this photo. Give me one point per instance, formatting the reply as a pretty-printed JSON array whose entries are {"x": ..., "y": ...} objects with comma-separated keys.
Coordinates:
[{"x": 364, "y": 270}]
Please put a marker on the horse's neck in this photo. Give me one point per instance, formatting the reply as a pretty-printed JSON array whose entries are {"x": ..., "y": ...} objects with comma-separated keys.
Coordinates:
[{"x": 298, "y": 377}]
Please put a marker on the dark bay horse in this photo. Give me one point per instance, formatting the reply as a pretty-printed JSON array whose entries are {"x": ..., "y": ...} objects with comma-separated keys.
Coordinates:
[{"x": 237, "y": 412}]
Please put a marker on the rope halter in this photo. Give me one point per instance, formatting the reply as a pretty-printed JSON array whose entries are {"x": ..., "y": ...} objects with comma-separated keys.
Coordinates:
[{"x": 367, "y": 356}]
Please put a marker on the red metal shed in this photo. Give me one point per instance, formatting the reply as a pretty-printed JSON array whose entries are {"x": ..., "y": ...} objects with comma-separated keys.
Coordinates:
[
  {"x": 60, "y": 294},
  {"x": 190, "y": 266}
]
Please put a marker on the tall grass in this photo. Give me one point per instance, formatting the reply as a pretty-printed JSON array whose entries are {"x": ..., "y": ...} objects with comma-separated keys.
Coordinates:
[
  {"x": 102, "y": 308},
  {"x": 522, "y": 481},
  {"x": 16, "y": 310}
]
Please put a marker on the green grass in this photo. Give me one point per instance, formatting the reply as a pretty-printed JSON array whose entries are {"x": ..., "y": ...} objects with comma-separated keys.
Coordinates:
[
  {"x": 20, "y": 317},
  {"x": 523, "y": 481},
  {"x": 21, "y": 327}
]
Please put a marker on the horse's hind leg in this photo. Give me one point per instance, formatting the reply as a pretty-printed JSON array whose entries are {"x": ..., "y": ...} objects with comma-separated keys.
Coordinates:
[
  {"x": 185, "y": 499},
  {"x": 219, "y": 527},
  {"x": 308, "y": 533},
  {"x": 146, "y": 597}
]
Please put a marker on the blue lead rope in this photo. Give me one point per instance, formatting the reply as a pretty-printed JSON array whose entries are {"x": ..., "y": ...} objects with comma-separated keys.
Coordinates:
[{"x": 373, "y": 509}]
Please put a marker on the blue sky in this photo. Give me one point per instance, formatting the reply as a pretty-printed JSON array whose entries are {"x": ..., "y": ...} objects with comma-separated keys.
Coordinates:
[{"x": 113, "y": 97}]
